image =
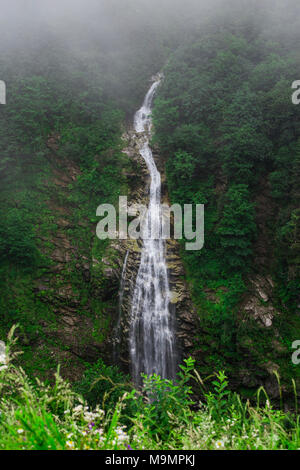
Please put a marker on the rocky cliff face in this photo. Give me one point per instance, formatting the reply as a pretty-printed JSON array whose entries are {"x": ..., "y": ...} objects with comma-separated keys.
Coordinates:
[
  {"x": 183, "y": 310},
  {"x": 68, "y": 329},
  {"x": 256, "y": 311},
  {"x": 79, "y": 333},
  {"x": 78, "y": 287}
]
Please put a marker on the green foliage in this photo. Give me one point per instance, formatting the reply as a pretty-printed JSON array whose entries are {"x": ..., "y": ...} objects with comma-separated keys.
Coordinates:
[
  {"x": 39, "y": 416},
  {"x": 226, "y": 126},
  {"x": 17, "y": 240},
  {"x": 102, "y": 384},
  {"x": 217, "y": 401},
  {"x": 59, "y": 121},
  {"x": 230, "y": 137},
  {"x": 163, "y": 399},
  {"x": 237, "y": 228},
  {"x": 213, "y": 84}
]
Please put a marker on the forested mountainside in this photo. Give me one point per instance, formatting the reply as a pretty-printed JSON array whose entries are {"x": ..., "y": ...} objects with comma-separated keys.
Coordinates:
[
  {"x": 230, "y": 137},
  {"x": 225, "y": 134},
  {"x": 61, "y": 157}
]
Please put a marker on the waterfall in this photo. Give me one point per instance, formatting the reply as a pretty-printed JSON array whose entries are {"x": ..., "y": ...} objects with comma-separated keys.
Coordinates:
[{"x": 152, "y": 335}]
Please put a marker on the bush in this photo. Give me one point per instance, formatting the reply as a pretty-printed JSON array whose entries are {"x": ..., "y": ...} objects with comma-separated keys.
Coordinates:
[
  {"x": 164, "y": 399},
  {"x": 102, "y": 384},
  {"x": 17, "y": 238}
]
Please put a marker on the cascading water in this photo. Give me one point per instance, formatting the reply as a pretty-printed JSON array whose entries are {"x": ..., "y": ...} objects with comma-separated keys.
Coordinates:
[{"x": 152, "y": 335}]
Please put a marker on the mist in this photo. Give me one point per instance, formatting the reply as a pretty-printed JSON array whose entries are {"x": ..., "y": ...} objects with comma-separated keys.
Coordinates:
[
  {"x": 78, "y": 22},
  {"x": 125, "y": 42}
]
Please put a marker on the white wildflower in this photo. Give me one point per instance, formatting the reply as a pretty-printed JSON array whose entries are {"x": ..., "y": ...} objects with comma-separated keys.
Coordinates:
[
  {"x": 78, "y": 409},
  {"x": 219, "y": 445}
]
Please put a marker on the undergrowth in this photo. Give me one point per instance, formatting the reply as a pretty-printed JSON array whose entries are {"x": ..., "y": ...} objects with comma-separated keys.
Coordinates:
[{"x": 164, "y": 415}]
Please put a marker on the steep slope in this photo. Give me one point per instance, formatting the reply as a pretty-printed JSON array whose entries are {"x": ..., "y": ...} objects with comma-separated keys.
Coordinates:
[{"x": 226, "y": 125}]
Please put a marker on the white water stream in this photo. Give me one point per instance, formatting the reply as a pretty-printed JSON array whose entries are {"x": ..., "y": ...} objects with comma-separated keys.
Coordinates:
[{"x": 152, "y": 336}]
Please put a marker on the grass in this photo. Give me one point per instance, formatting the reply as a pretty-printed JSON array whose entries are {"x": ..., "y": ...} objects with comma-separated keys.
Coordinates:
[{"x": 38, "y": 416}]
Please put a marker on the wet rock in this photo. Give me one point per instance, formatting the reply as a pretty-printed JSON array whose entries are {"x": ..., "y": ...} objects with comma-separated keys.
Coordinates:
[
  {"x": 70, "y": 321},
  {"x": 263, "y": 314},
  {"x": 259, "y": 304}
]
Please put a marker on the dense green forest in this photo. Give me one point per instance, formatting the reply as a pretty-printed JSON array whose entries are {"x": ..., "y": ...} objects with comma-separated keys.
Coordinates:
[
  {"x": 227, "y": 136},
  {"x": 247, "y": 175},
  {"x": 61, "y": 157}
]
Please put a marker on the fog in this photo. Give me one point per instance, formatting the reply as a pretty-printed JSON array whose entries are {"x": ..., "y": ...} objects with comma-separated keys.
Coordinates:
[
  {"x": 74, "y": 21},
  {"x": 126, "y": 37}
]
